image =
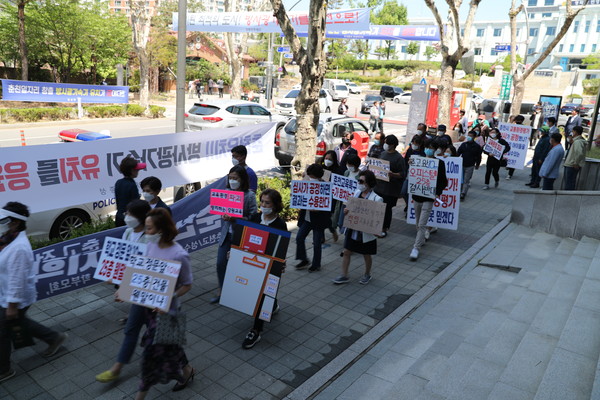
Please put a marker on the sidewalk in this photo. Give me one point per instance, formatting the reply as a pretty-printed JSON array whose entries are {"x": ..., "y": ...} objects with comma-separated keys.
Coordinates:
[{"x": 317, "y": 322}]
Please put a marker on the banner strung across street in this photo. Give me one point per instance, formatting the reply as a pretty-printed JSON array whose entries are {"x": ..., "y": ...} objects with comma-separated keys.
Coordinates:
[
  {"x": 445, "y": 213},
  {"x": 517, "y": 137},
  {"x": 63, "y": 92},
  {"x": 265, "y": 22},
  {"x": 47, "y": 177},
  {"x": 385, "y": 32}
]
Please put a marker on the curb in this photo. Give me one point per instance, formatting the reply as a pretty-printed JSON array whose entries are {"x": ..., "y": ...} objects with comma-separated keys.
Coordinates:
[
  {"x": 69, "y": 122},
  {"x": 326, "y": 375}
]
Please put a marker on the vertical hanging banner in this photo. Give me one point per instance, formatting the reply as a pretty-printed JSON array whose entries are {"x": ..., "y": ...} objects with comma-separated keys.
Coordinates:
[
  {"x": 422, "y": 176},
  {"x": 63, "y": 92},
  {"x": 517, "y": 137},
  {"x": 445, "y": 210}
]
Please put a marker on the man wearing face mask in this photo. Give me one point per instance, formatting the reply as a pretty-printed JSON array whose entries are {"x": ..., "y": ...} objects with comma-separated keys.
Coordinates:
[
  {"x": 492, "y": 165},
  {"x": 151, "y": 187},
  {"x": 344, "y": 149},
  {"x": 238, "y": 157},
  {"x": 471, "y": 155},
  {"x": 442, "y": 135}
]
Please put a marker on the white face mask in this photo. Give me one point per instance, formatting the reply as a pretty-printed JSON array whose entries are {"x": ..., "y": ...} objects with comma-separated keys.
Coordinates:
[
  {"x": 328, "y": 163},
  {"x": 234, "y": 184},
  {"x": 441, "y": 133},
  {"x": 148, "y": 196},
  {"x": 493, "y": 136},
  {"x": 154, "y": 238},
  {"x": 362, "y": 187},
  {"x": 414, "y": 147},
  {"x": 353, "y": 169},
  {"x": 4, "y": 227},
  {"x": 386, "y": 147},
  {"x": 266, "y": 210},
  {"x": 131, "y": 222},
  {"x": 447, "y": 154},
  {"x": 234, "y": 161},
  {"x": 312, "y": 179}
]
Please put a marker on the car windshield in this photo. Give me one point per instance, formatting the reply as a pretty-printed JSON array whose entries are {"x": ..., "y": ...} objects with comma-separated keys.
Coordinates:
[
  {"x": 292, "y": 127},
  {"x": 292, "y": 94},
  {"x": 203, "y": 109},
  {"x": 373, "y": 97},
  {"x": 341, "y": 87},
  {"x": 352, "y": 84}
]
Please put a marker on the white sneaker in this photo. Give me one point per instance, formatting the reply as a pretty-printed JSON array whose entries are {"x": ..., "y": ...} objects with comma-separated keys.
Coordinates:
[
  {"x": 427, "y": 234},
  {"x": 414, "y": 254},
  {"x": 486, "y": 187},
  {"x": 508, "y": 177}
]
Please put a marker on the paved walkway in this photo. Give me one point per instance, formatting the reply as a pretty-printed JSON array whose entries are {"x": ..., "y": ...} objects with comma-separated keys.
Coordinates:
[{"x": 317, "y": 322}]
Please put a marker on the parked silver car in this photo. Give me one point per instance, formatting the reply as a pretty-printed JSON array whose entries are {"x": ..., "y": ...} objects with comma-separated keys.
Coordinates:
[
  {"x": 331, "y": 129},
  {"x": 227, "y": 114}
]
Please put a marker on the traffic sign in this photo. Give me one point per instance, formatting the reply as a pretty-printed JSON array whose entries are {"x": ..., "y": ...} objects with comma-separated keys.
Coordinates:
[
  {"x": 280, "y": 69},
  {"x": 283, "y": 49},
  {"x": 503, "y": 47},
  {"x": 423, "y": 81},
  {"x": 288, "y": 55}
]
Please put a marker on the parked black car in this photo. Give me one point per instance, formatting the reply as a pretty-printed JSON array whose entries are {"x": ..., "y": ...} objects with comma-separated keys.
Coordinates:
[{"x": 390, "y": 91}]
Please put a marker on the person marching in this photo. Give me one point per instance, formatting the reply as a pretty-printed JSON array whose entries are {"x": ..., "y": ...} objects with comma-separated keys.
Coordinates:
[
  {"x": 390, "y": 191},
  {"x": 126, "y": 189},
  {"x": 492, "y": 165},
  {"x": 471, "y": 155}
]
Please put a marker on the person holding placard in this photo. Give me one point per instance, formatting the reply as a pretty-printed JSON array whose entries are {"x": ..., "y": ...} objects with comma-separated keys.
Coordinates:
[
  {"x": 237, "y": 180},
  {"x": 390, "y": 191},
  {"x": 519, "y": 119},
  {"x": 551, "y": 167},
  {"x": 377, "y": 147},
  {"x": 353, "y": 165},
  {"x": 238, "y": 157},
  {"x": 330, "y": 163},
  {"x": 360, "y": 242},
  {"x": 17, "y": 287},
  {"x": 315, "y": 221},
  {"x": 151, "y": 187},
  {"x": 492, "y": 165},
  {"x": 424, "y": 205},
  {"x": 471, "y": 155},
  {"x": 416, "y": 148},
  {"x": 271, "y": 205},
  {"x": 126, "y": 188},
  {"x": 135, "y": 219},
  {"x": 162, "y": 363}
]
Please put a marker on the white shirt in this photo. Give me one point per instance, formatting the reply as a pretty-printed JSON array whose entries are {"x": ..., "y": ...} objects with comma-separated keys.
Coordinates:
[{"x": 17, "y": 275}]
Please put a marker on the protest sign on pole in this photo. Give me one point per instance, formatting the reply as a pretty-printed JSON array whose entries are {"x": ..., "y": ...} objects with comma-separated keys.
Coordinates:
[
  {"x": 311, "y": 195},
  {"x": 230, "y": 202},
  {"x": 517, "y": 137},
  {"x": 444, "y": 214},
  {"x": 365, "y": 215},
  {"x": 422, "y": 176},
  {"x": 380, "y": 168},
  {"x": 343, "y": 187},
  {"x": 149, "y": 282},
  {"x": 115, "y": 256},
  {"x": 494, "y": 149}
]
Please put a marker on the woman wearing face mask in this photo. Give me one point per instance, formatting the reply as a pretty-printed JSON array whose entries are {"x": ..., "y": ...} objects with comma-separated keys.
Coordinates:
[
  {"x": 446, "y": 149},
  {"x": 271, "y": 205},
  {"x": 151, "y": 187},
  {"x": 135, "y": 218},
  {"x": 353, "y": 165},
  {"x": 330, "y": 163},
  {"x": 493, "y": 165},
  {"x": 360, "y": 242},
  {"x": 343, "y": 108},
  {"x": 237, "y": 180},
  {"x": 377, "y": 147},
  {"x": 17, "y": 286},
  {"x": 390, "y": 191},
  {"x": 125, "y": 188},
  {"x": 162, "y": 363},
  {"x": 471, "y": 155},
  {"x": 416, "y": 148}
]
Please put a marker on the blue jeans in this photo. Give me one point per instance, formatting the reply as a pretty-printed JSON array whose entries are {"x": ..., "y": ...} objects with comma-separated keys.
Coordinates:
[
  {"x": 318, "y": 235},
  {"x": 135, "y": 320},
  {"x": 571, "y": 178},
  {"x": 548, "y": 184},
  {"x": 222, "y": 259}
]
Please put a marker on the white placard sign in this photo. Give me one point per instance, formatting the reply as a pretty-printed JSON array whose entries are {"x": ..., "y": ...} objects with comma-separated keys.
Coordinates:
[
  {"x": 517, "y": 137},
  {"x": 116, "y": 255},
  {"x": 422, "y": 176},
  {"x": 311, "y": 195},
  {"x": 494, "y": 148},
  {"x": 343, "y": 187}
]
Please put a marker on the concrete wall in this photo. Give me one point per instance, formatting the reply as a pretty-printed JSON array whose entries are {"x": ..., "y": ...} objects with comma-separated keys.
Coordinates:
[{"x": 562, "y": 213}]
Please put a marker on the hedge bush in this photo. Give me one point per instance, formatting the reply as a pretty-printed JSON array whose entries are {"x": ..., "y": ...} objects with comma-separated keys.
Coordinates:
[
  {"x": 283, "y": 186},
  {"x": 157, "y": 111},
  {"x": 88, "y": 228},
  {"x": 135, "y": 110},
  {"x": 63, "y": 113},
  {"x": 105, "y": 111},
  {"x": 355, "y": 77}
]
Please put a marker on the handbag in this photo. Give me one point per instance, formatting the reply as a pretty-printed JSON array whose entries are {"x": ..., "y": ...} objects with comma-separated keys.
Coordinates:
[
  {"x": 170, "y": 329},
  {"x": 19, "y": 332}
]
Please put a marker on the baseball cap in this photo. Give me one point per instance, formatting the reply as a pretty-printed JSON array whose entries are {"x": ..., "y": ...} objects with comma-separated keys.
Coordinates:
[
  {"x": 442, "y": 127},
  {"x": 140, "y": 165}
]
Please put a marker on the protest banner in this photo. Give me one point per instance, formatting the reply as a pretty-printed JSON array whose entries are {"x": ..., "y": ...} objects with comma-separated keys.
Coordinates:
[
  {"x": 326, "y": 175},
  {"x": 230, "y": 202},
  {"x": 343, "y": 187},
  {"x": 380, "y": 168},
  {"x": 149, "y": 282},
  {"x": 517, "y": 137},
  {"x": 365, "y": 215},
  {"x": 115, "y": 256},
  {"x": 422, "y": 176},
  {"x": 494, "y": 149},
  {"x": 47, "y": 177},
  {"x": 63, "y": 92},
  {"x": 445, "y": 210},
  {"x": 254, "y": 268},
  {"x": 311, "y": 195}
]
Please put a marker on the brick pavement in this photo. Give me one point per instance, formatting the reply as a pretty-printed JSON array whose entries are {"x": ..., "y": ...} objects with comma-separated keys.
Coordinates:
[{"x": 318, "y": 320}]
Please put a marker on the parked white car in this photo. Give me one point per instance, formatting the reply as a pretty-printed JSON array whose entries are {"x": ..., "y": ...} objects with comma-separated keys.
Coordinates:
[
  {"x": 286, "y": 105},
  {"x": 403, "y": 98},
  {"x": 227, "y": 114},
  {"x": 353, "y": 88}
]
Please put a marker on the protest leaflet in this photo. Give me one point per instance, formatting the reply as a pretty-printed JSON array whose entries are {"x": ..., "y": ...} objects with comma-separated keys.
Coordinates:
[
  {"x": 444, "y": 214},
  {"x": 380, "y": 168},
  {"x": 230, "y": 202},
  {"x": 365, "y": 215},
  {"x": 494, "y": 149},
  {"x": 517, "y": 137},
  {"x": 311, "y": 195},
  {"x": 149, "y": 282},
  {"x": 343, "y": 187},
  {"x": 422, "y": 176},
  {"x": 115, "y": 256}
]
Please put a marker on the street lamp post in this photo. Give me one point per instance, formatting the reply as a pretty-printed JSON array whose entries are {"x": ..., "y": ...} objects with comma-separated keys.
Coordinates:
[{"x": 180, "y": 78}]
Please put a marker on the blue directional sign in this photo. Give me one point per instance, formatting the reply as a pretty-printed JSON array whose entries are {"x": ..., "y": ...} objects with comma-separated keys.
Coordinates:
[
  {"x": 288, "y": 55},
  {"x": 283, "y": 49},
  {"x": 503, "y": 47}
]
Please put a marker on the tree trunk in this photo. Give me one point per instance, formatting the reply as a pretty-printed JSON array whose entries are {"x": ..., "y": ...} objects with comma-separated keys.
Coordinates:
[
  {"x": 144, "y": 78},
  {"x": 366, "y": 57},
  {"x": 22, "y": 42},
  {"x": 235, "y": 66},
  {"x": 519, "y": 91},
  {"x": 445, "y": 88}
]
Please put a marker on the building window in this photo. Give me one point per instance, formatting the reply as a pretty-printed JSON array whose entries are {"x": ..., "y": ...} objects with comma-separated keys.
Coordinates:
[
  {"x": 462, "y": 32},
  {"x": 403, "y": 49},
  {"x": 477, "y": 51},
  {"x": 560, "y": 48},
  {"x": 551, "y": 31},
  {"x": 532, "y": 3},
  {"x": 594, "y": 48},
  {"x": 582, "y": 48},
  {"x": 544, "y": 49},
  {"x": 533, "y": 31},
  {"x": 480, "y": 32},
  {"x": 493, "y": 52},
  {"x": 548, "y": 2},
  {"x": 575, "y": 26},
  {"x": 587, "y": 26},
  {"x": 546, "y": 15},
  {"x": 518, "y": 31},
  {"x": 598, "y": 27},
  {"x": 118, "y": 3},
  {"x": 531, "y": 15},
  {"x": 571, "y": 48},
  {"x": 497, "y": 32},
  {"x": 530, "y": 51}
]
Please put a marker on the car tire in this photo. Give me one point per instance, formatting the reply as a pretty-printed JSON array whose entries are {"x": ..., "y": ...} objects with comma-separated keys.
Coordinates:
[
  {"x": 186, "y": 190},
  {"x": 327, "y": 110},
  {"x": 397, "y": 101},
  {"x": 66, "y": 222}
]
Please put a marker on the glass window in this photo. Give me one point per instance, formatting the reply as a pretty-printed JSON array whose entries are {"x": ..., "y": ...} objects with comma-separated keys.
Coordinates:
[
  {"x": 403, "y": 49},
  {"x": 532, "y": 3},
  {"x": 548, "y": 2},
  {"x": 594, "y": 48},
  {"x": 531, "y": 15},
  {"x": 358, "y": 127},
  {"x": 258, "y": 110},
  {"x": 598, "y": 26},
  {"x": 530, "y": 51},
  {"x": 518, "y": 31},
  {"x": 551, "y": 31},
  {"x": 244, "y": 110},
  {"x": 571, "y": 48},
  {"x": 587, "y": 26},
  {"x": 462, "y": 32},
  {"x": 493, "y": 52},
  {"x": 497, "y": 32},
  {"x": 477, "y": 51},
  {"x": 546, "y": 15},
  {"x": 533, "y": 31},
  {"x": 575, "y": 26},
  {"x": 582, "y": 48},
  {"x": 480, "y": 32},
  {"x": 560, "y": 48},
  {"x": 340, "y": 130}
]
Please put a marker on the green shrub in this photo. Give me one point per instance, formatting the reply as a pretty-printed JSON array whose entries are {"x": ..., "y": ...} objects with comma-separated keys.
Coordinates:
[
  {"x": 157, "y": 111},
  {"x": 105, "y": 111},
  {"x": 88, "y": 228},
  {"x": 135, "y": 110},
  {"x": 282, "y": 185},
  {"x": 354, "y": 77}
]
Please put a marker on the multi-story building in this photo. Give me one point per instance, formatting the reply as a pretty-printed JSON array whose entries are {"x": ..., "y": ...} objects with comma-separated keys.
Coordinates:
[{"x": 536, "y": 28}]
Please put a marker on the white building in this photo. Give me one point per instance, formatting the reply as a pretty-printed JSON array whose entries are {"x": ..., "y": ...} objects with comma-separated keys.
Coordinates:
[{"x": 535, "y": 31}]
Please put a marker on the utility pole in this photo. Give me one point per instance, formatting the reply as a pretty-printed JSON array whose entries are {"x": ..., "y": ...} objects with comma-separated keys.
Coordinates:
[
  {"x": 180, "y": 79},
  {"x": 269, "y": 86}
]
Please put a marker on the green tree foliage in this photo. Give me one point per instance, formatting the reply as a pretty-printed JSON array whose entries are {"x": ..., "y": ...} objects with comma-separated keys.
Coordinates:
[
  {"x": 412, "y": 49},
  {"x": 592, "y": 61},
  {"x": 431, "y": 52},
  {"x": 391, "y": 13}
]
